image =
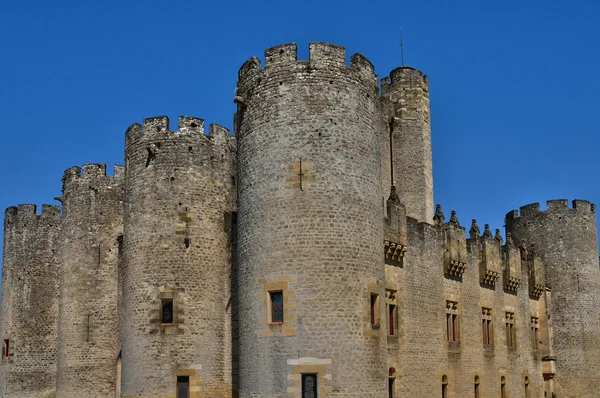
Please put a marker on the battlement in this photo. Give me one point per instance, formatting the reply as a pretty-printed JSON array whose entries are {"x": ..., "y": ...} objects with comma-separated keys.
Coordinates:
[
  {"x": 557, "y": 205},
  {"x": 26, "y": 214},
  {"x": 402, "y": 77},
  {"x": 91, "y": 171},
  {"x": 186, "y": 125},
  {"x": 321, "y": 54}
]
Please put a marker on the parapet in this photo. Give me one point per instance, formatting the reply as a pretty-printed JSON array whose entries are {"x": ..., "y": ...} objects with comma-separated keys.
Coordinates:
[
  {"x": 187, "y": 125},
  {"x": 402, "y": 77},
  {"x": 321, "y": 54},
  {"x": 26, "y": 215},
  {"x": 91, "y": 171},
  {"x": 552, "y": 206}
]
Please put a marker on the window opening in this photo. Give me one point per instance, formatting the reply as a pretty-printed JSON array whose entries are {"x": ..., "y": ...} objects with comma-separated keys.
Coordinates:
[
  {"x": 503, "y": 387},
  {"x": 511, "y": 340},
  {"x": 392, "y": 383},
  {"x": 526, "y": 387},
  {"x": 476, "y": 386},
  {"x": 535, "y": 332},
  {"x": 392, "y": 320},
  {"x": 452, "y": 320},
  {"x": 374, "y": 304},
  {"x": 486, "y": 324},
  {"x": 444, "y": 386},
  {"x": 183, "y": 387},
  {"x": 276, "y": 307},
  {"x": 309, "y": 385},
  {"x": 6, "y": 351},
  {"x": 166, "y": 311}
]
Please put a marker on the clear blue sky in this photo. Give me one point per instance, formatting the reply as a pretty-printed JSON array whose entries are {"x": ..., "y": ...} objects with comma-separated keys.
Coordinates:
[{"x": 514, "y": 84}]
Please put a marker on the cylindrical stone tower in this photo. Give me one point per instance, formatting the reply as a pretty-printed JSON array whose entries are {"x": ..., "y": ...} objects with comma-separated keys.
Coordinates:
[
  {"x": 405, "y": 103},
  {"x": 310, "y": 226},
  {"x": 29, "y": 302},
  {"x": 88, "y": 337},
  {"x": 567, "y": 240},
  {"x": 180, "y": 197}
]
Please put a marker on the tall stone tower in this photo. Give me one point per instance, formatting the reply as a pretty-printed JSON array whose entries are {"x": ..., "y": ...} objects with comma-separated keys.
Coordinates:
[
  {"x": 177, "y": 259},
  {"x": 88, "y": 338},
  {"x": 405, "y": 103},
  {"x": 567, "y": 240},
  {"x": 310, "y": 225},
  {"x": 29, "y": 301}
]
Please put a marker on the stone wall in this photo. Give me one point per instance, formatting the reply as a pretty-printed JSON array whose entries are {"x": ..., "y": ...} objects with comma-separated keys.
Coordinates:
[
  {"x": 180, "y": 196},
  {"x": 28, "y": 321},
  {"x": 309, "y": 223},
  {"x": 88, "y": 339}
]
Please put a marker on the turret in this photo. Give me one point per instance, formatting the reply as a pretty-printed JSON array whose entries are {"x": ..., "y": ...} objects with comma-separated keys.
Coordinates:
[
  {"x": 177, "y": 308},
  {"x": 28, "y": 321},
  {"x": 566, "y": 240},
  {"x": 310, "y": 217},
  {"x": 88, "y": 339},
  {"x": 407, "y": 140}
]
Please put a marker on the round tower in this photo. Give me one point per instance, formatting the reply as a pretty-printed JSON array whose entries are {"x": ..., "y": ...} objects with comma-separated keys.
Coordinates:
[
  {"x": 567, "y": 240},
  {"x": 88, "y": 337},
  {"x": 407, "y": 140},
  {"x": 179, "y": 199},
  {"x": 29, "y": 301},
  {"x": 310, "y": 232}
]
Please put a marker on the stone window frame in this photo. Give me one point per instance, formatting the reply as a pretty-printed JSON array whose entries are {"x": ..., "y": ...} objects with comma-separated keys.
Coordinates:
[
  {"x": 392, "y": 322},
  {"x": 392, "y": 382},
  {"x": 503, "y": 386},
  {"x": 477, "y": 386},
  {"x": 372, "y": 287},
  {"x": 487, "y": 326},
  {"x": 445, "y": 386},
  {"x": 278, "y": 283},
  {"x": 166, "y": 293},
  {"x": 510, "y": 325},
  {"x": 308, "y": 365},
  {"x": 452, "y": 321},
  {"x": 195, "y": 379},
  {"x": 534, "y": 325}
]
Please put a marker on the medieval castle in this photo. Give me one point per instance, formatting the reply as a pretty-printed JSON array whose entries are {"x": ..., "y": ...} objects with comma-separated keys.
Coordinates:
[{"x": 301, "y": 256}]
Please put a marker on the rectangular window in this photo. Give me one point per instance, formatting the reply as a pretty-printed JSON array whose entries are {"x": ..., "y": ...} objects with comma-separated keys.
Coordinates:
[
  {"x": 166, "y": 311},
  {"x": 309, "y": 385},
  {"x": 535, "y": 332},
  {"x": 486, "y": 325},
  {"x": 392, "y": 387},
  {"x": 452, "y": 320},
  {"x": 183, "y": 387},
  {"x": 392, "y": 319},
  {"x": 511, "y": 333},
  {"x": 6, "y": 351},
  {"x": 276, "y": 307},
  {"x": 374, "y": 305}
]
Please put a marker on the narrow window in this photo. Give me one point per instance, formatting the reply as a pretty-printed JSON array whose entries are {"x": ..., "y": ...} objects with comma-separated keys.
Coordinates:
[
  {"x": 392, "y": 383},
  {"x": 374, "y": 305},
  {"x": 476, "y": 386},
  {"x": 535, "y": 332},
  {"x": 511, "y": 340},
  {"x": 183, "y": 387},
  {"x": 309, "y": 385},
  {"x": 444, "y": 386},
  {"x": 166, "y": 311},
  {"x": 526, "y": 387},
  {"x": 486, "y": 325},
  {"x": 503, "y": 387},
  {"x": 452, "y": 320},
  {"x": 6, "y": 351},
  {"x": 276, "y": 307},
  {"x": 392, "y": 320}
]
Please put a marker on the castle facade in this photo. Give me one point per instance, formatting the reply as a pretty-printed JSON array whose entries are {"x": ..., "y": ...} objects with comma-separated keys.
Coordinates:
[{"x": 300, "y": 257}]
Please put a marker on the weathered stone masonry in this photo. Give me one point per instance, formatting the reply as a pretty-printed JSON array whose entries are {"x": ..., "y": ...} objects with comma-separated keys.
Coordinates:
[{"x": 301, "y": 255}]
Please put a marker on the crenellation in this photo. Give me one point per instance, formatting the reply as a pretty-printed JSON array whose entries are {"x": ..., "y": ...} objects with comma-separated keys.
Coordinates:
[
  {"x": 321, "y": 53},
  {"x": 236, "y": 266},
  {"x": 284, "y": 54},
  {"x": 190, "y": 124}
]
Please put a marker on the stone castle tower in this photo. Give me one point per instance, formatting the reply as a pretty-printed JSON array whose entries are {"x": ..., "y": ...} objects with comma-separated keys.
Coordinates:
[{"x": 301, "y": 256}]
